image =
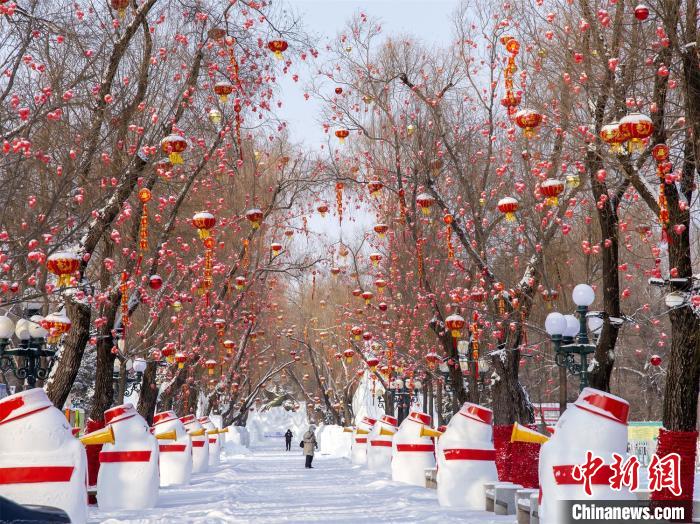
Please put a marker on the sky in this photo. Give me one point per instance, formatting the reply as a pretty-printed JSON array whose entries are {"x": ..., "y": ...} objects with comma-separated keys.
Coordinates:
[{"x": 426, "y": 20}]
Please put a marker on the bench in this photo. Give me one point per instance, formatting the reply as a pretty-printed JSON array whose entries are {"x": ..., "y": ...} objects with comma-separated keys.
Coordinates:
[
  {"x": 523, "y": 504},
  {"x": 489, "y": 495},
  {"x": 504, "y": 498},
  {"x": 431, "y": 478}
]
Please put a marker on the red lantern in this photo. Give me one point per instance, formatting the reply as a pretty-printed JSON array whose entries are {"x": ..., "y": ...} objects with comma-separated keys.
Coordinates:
[
  {"x": 381, "y": 284},
  {"x": 210, "y": 364},
  {"x": 173, "y": 145},
  {"x": 366, "y": 336},
  {"x": 63, "y": 264},
  {"x": 655, "y": 360},
  {"x": 528, "y": 121},
  {"x": 155, "y": 282},
  {"x": 381, "y": 229},
  {"x": 168, "y": 352},
  {"x": 641, "y": 12},
  {"x": 348, "y": 354},
  {"x": 342, "y": 134},
  {"x": 455, "y": 323},
  {"x": 323, "y": 209},
  {"x": 277, "y": 47},
  {"x": 551, "y": 189},
  {"x": 223, "y": 89},
  {"x": 240, "y": 282},
  {"x": 229, "y": 345},
  {"x": 276, "y": 248},
  {"x": 432, "y": 359},
  {"x": 118, "y": 5},
  {"x": 374, "y": 186},
  {"x": 338, "y": 90},
  {"x": 204, "y": 221},
  {"x": 375, "y": 258},
  {"x": 180, "y": 358},
  {"x": 372, "y": 362},
  {"x": 425, "y": 202},
  {"x": 367, "y": 296},
  {"x": 335, "y": 270},
  {"x": 636, "y": 127},
  {"x": 356, "y": 332},
  {"x": 611, "y": 135},
  {"x": 255, "y": 217},
  {"x": 508, "y": 206},
  {"x": 57, "y": 324}
]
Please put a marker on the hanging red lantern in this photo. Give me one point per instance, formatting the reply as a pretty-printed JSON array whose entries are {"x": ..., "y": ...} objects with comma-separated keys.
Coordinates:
[
  {"x": 383, "y": 306},
  {"x": 372, "y": 363},
  {"x": 455, "y": 323},
  {"x": 356, "y": 332},
  {"x": 169, "y": 352},
  {"x": 342, "y": 134},
  {"x": 210, "y": 364},
  {"x": 322, "y": 209},
  {"x": 180, "y": 358},
  {"x": 119, "y": 6},
  {"x": 425, "y": 202},
  {"x": 255, "y": 217},
  {"x": 611, "y": 135},
  {"x": 276, "y": 248},
  {"x": 381, "y": 229},
  {"x": 508, "y": 206},
  {"x": 338, "y": 90},
  {"x": 173, "y": 145},
  {"x": 240, "y": 282},
  {"x": 432, "y": 359},
  {"x": 277, "y": 47},
  {"x": 374, "y": 186},
  {"x": 335, "y": 271},
  {"x": 223, "y": 89},
  {"x": 375, "y": 258},
  {"x": 63, "y": 264},
  {"x": 551, "y": 189},
  {"x": 637, "y": 128},
  {"x": 366, "y": 336},
  {"x": 204, "y": 222},
  {"x": 528, "y": 120},
  {"x": 381, "y": 284},
  {"x": 229, "y": 346},
  {"x": 155, "y": 282},
  {"x": 367, "y": 296},
  {"x": 57, "y": 324},
  {"x": 348, "y": 354}
]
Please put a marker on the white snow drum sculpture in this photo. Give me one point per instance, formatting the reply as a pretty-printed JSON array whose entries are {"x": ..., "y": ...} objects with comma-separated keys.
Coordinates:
[
  {"x": 379, "y": 444},
  {"x": 175, "y": 449},
  {"x": 128, "y": 477},
  {"x": 41, "y": 461},
  {"x": 200, "y": 444},
  {"x": 466, "y": 458},
  {"x": 214, "y": 439},
  {"x": 358, "y": 451},
  {"x": 597, "y": 422},
  {"x": 413, "y": 450}
]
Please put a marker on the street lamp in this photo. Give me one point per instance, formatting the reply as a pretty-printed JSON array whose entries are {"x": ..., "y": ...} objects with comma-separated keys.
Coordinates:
[
  {"x": 25, "y": 360},
  {"x": 134, "y": 374},
  {"x": 570, "y": 335}
]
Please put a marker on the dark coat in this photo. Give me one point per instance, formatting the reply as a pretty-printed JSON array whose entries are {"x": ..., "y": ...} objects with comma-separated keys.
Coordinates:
[{"x": 288, "y": 436}]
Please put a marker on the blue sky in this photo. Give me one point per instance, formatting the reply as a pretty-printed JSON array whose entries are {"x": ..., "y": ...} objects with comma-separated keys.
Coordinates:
[{"x": 426, "y": 20}]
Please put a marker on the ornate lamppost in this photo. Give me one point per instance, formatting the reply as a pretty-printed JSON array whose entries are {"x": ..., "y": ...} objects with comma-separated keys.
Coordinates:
[{"x": 134, "y": 375}]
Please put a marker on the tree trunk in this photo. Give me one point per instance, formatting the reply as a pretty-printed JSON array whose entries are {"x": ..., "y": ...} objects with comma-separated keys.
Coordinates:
[
  {"x": 149, "y": 393},
  {"x": 73, "y": 348},
  {"x": 510, "y": 401},
  {"x": 104, "y": 385}
]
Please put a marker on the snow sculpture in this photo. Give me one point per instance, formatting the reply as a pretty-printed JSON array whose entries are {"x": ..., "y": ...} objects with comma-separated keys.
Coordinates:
[
  {"x": 128, "y": 477},
  {"x": 214, "y": 438},
  {"x": 597, "y": 422},
  {"x": 466, "y": 458},
  {"x": 379, "y": 448},
  {"x": 41, "y": 462},
  {"x": 200, "y": 444},
  {"x": 413, "y": 450},
  {"x": 175, "y": 452},
  {"x": 358, "y": 452}
]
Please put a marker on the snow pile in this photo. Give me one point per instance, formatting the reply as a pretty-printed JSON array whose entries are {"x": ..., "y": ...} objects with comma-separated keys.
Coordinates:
[
  {"x": 237, "y": 438},
  {"x": 332, "y": 440},
  {"x": 271, "y": 424}
]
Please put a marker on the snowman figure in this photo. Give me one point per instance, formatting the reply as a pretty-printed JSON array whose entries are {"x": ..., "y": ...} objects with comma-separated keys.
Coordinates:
[
  {"x": 214, "y": 439},
  {"x": 466, "y": 458},
  {"x": 175, "y": 447},
  {"x": 597, "y": 422},
  {"x": 200, "y": 443},
  {"x": 379, "y": 444},
  {"x": 129, "y": 476},
  {"x": 413, "y": 450},
  {"x": 41, "y": 463},
  {"x": 358, "y": 451}
]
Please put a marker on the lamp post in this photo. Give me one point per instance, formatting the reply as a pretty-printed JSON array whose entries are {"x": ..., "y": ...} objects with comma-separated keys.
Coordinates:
[
  {"x": 25, "y": 359},
  {"x": 134, "y": 375},
  {"x": 570, "y": 339},
  {"x": 402, "y": 391}
]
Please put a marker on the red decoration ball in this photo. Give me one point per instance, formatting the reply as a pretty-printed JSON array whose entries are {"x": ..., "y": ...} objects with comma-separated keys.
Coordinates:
[
  {"x": 655, "y": 360},
  {"x": 155, "y": 282},
  {"x": 641, "y": 12}
]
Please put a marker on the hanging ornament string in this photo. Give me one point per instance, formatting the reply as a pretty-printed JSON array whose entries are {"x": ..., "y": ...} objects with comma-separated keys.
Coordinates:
[
  {"x": 124, "y": 289},
  {"x": 339, "y": 201},
  {"x": 230, "y": 41},
  {"x": 475, "y": 343},
  {"x": 419, "y": 254},
  {"x": 448, "y": 236},
  {"x": 144, "y": 197},
  {"x": 511, "y": 100},
  {"x": 660, "y": 152}
]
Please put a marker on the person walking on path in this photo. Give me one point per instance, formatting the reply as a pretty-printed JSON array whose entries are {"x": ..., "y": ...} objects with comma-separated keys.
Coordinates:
[
  {"x": 309, "y": 443},
  {"x": 288, "y": 439}
]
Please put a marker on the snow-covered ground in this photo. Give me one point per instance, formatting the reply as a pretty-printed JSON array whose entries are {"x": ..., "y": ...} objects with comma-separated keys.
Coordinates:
[{"x": 270, "y": 485}]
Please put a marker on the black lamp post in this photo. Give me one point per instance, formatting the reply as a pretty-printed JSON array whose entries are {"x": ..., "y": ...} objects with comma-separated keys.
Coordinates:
[
  {"x": 25, "y": 359},
  {"x": 570, "y": 335},
  {"x": 134, "y": 375}
]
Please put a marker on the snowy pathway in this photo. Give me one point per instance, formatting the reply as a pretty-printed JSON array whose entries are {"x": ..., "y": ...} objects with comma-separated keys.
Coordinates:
[{"x": 270, "y": 485}]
